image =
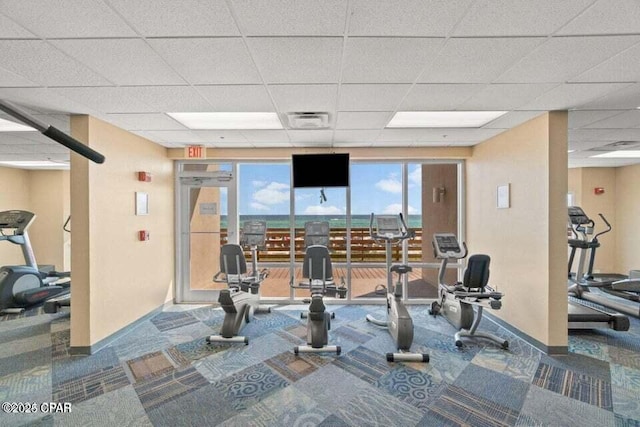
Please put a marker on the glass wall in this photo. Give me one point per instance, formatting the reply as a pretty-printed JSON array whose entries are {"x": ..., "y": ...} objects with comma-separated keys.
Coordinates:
[
  {"x": 375, "y": 188},
  {"x": 428, "y": 193},
  {"x": 264, "y": 194}
]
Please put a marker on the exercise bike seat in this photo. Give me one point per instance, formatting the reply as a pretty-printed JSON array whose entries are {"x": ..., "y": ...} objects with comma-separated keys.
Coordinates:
[{"x": 401, "y": 269}]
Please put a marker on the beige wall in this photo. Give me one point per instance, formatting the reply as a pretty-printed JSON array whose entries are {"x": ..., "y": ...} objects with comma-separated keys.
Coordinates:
[
  {"x": 14, "y": 195},
  {"x": 45, "y": 193},
  {"x": 355, "y": 153},
  {"x": 584, "y": 180},
  {"x": 116, "y": 278},
  {"x": 49, "y": 200},
  {"x": 527, "y": 242},
  {"x": 627, "y": 219}
]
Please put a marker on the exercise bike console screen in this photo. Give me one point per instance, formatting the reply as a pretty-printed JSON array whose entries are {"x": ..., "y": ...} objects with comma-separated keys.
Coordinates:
[
  {"x": 254, "y": 233},
  {"x": 388, "y": 225},
  {"x": 446, "y": 245}
]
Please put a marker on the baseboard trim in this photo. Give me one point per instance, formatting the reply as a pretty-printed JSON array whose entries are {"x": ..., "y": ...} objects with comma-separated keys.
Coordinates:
[
  {"x": 94, "y": 348},
  {"x": 558, "y": 350}
]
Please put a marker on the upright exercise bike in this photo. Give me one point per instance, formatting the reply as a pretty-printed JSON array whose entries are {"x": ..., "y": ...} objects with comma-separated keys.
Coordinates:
[
  {"x": 241, "y": 299},
  {"x": 392, "y": 229},
  {"x": 456, "y": 301},
  {"x": 25, "y": 285},
  {"x": 318, "y": 274}
]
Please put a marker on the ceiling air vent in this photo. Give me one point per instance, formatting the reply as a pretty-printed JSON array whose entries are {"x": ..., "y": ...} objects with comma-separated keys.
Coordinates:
[
  {"x": 307, "y": 120},
  {"x": 620, "y": 145}
]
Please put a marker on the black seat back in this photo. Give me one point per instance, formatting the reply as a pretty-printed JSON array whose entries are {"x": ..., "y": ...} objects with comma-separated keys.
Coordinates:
[
  {"x": 476, "y": 275},
  {"x": 317, "y": 264},
  {"x": 232, "y": 260}
]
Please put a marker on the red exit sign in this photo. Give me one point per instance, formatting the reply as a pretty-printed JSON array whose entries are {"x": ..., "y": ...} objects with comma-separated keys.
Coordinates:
[{"x": 194, "y": 152}]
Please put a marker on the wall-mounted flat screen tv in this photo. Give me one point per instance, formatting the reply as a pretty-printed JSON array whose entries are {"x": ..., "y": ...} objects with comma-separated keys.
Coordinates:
[{"x": 320, "y": 170}]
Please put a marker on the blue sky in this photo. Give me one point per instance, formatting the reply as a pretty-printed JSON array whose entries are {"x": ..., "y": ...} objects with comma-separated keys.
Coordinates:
[{"x": 264, "y": 190}]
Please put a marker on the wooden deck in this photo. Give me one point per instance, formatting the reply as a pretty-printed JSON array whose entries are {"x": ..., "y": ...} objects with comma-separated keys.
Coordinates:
[{"x": 363, "y": 283}]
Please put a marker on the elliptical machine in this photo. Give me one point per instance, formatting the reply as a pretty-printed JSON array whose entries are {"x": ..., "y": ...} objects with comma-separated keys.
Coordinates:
[
  {"x": 242, "y": 298},
  {"x": 456, "y": 301},
  {"x": 392, "y": 229},
  {"x": 25, "y": 285},
  {"x": 317, "y": 270}
]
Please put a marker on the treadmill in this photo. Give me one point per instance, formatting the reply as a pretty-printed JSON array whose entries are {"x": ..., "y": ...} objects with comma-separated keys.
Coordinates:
[{"x": 585, "y": 314}]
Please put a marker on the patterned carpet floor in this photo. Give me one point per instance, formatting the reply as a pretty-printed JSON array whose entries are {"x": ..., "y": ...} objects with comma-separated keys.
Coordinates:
[{"x": 163, "y": 373}]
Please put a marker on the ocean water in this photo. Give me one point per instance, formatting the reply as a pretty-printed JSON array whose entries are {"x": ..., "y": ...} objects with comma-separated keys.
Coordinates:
[{"x": 335, "y": 221}]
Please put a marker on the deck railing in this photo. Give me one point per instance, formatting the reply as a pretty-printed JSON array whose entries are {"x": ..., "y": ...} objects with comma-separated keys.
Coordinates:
[{"x": 363, "y": 247}]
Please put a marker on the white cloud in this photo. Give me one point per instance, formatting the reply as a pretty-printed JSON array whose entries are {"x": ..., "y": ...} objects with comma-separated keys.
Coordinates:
[
  {"x": 396, "y": 208},
  {"x": 390, "y": 185},
  {"x": 259, "y": 206},
  {"x": 272, "y": 194},
  {"x": 415, "y": 176},
  {"x": 393, "y": 208},
  {"x": 323, "y": 210},
  {"x": 259, "y": 184}
]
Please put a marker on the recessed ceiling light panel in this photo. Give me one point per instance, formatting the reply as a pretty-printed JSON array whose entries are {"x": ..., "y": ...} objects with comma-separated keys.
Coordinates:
[
  {"x": 35, "y": 164},
  {"x": 621, "y": 154},
  {"x": 227, "y": 121},
  {"x": 443, "y": 119},
  {"x": 9, "y": 126}
]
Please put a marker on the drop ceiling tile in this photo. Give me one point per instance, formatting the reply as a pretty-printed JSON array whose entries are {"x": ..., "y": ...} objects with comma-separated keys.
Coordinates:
[
  {"x": 173, "y": 136},
  {"x": 627, "y": 119},
  {"x": 67, "y": 18},
  {"x": 626, "y": 98},
  {"x": 264, "y": 136},
  {"x": 502, "y": 97},
  {"x": 345, "y": 144},
  {"x": 144, "y": 121},
  {"x": 604, "y": 135},
  {"x": 405, "y": 17},
  {"x": 170, "y": 18},
  {"x": 562, "y": 58},
  {"x": 397, "y": 144},
  {"x": 163, "y": 99},
  {"x": 387, "y": 60},
  {"x": 291, "y": 18},
  {"x": 605, "y": 17},
  {"x": 512, "y": 119},
  {"x": 570, "y": 96},
  {"x": 351, "y": 136},
  {"x": 602, "y": 163},
  {"x": 237, "y": 98},
  {"x": 582, "y": 118},
  {"x": 11, "y": 30},
  {"x": 311, "y": 136},
  {"x": 297, "y": 59},
  {"x": 299, "y": 98},
  {"x": 271, "y": 144},
  {"x": 623, "y": 67},
  {"x": 220, "y": 136},
  {"x": 44, "y": 100},
  {"x": 370, "y": 97},
  {"x": 208, "y": 60},
  {"x": 438, "y": 97},
  {"x": 363, "y": 120},
  {"x": 9, "y": 79},
  {"x": 105, "y": 99},
  {"x": 45, "y": 65},
  {"x": 518, "y": 17},
  {"x": 121, "y": 61},
  {"x": 441, "y": 135},
  {"x": 479, "y": 60}
]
